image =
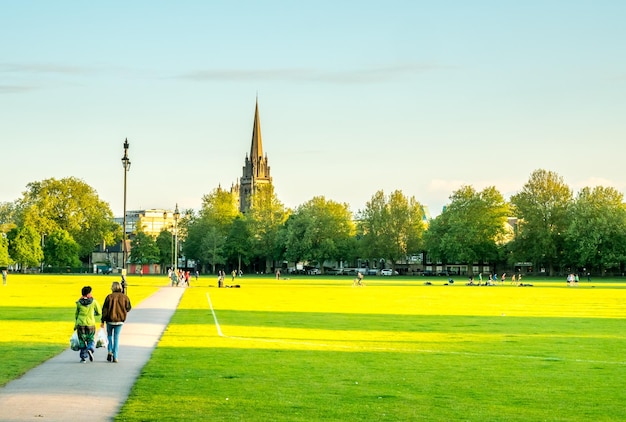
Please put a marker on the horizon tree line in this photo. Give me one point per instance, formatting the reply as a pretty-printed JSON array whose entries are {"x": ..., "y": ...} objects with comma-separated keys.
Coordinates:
[{"x": 59, "y": 223}]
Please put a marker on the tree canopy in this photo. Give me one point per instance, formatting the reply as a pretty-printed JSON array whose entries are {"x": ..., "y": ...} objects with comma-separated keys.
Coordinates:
[
  {"x": 265, "y": 218},
  {"x": 596, "y": 234},
  {"x": 68, "y": 204},
  {"x": 542, "y": 207},
  {"x": 319, "y": 230},
  {"x": 60, "y": 250},
  {"x": 392, "y": 227},
  {"x": 25, "y": 246},
  {"x": 470, "y": 228},
  {"x": 207, "y": 232}
]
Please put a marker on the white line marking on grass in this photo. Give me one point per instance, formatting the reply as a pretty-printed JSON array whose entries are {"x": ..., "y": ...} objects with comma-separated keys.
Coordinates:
[
  {"x": 217, "y": 324},
  {"x": 393, "y": 349}
]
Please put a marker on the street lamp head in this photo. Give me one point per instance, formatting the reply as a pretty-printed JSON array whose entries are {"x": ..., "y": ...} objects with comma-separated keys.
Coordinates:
[
  {"x": 176, "y": 213},
  {"x": 125, "y": 159}
]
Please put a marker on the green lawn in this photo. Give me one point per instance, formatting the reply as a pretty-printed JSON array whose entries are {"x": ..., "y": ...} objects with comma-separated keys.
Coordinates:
[{"x": 314, "y": 348}]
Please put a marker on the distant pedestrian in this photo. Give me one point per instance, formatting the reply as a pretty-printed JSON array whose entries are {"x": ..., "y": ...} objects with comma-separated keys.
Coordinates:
[
  {"x": 87, "y": 308},
  {"x": 4, "y": 277},
  {"x": 124, "y": 284},
  {"x": 174, "y": 278},
  {"x": 233, "y": 274},
  {"x": 114, "y": 310},
  {"x": 358, "y": 281},
  {"x": 277, "y": 274},
  {"x": 197, "y": 275}
]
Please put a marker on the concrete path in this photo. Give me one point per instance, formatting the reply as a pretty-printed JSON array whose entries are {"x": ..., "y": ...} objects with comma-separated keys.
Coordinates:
[{"x": 62, "y": 389}]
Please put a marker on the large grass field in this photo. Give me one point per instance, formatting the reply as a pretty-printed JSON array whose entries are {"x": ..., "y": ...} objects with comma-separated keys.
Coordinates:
[{"x": 314, "y": 348}]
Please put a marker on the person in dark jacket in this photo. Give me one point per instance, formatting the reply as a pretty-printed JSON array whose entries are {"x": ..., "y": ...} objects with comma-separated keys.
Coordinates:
[{"x": 114, "y": 310}]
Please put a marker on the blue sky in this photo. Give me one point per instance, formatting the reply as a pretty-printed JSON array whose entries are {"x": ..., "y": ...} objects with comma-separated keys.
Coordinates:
[{"x": 354, "y": 96}]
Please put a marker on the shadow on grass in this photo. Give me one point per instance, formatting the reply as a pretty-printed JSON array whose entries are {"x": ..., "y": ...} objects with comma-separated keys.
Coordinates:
[
  {"x": 408, "y": 323},
  {"x": 36, "y": 313},
  {"x": 186, "y": 383}
]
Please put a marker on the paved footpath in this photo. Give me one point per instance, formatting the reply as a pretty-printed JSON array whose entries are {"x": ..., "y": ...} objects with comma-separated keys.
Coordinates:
[{"x": 62, "y": 389}]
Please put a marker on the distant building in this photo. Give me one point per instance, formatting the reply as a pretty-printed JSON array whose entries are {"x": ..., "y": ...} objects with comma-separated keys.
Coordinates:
[
  {"x": 151, "y": 222},
  {"x": 256, "y": 170}
]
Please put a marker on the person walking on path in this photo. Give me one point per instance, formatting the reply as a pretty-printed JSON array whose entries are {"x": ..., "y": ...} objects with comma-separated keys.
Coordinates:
[
  {"x": 97, "y": 392},
  {"x": 114, "y": 310},
  {"x": 87, "y": 308},
  {"x": 4, "y": 277}
]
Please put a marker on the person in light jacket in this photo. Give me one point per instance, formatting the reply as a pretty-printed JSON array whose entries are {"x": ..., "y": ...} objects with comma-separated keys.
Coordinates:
[
  {"x": 114, "y": 310},
  {"x": 87, "y": 308}
]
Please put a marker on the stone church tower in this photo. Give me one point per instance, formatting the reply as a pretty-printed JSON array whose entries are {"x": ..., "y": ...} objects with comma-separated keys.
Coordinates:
[{"x": 256, "y": 171}]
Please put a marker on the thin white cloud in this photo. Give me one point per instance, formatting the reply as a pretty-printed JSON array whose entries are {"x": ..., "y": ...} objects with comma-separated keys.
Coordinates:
[
  {"x": 15, "y": 89},
  {"x": 597, "y": 181},
  {"x": 40, "y": 68},
  {"x": 447, "y": 187},
  {"x": 365, "y": 75}
]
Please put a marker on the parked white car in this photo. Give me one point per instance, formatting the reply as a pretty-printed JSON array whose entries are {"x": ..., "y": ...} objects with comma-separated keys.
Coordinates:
[{"x": 388, "y": 271}]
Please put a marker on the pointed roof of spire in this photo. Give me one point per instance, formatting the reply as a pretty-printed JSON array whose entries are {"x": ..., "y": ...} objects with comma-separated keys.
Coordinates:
[{"x": 256, "y": 149}]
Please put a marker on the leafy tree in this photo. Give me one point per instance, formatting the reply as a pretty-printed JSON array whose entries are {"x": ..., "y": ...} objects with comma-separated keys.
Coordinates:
[
  {"x": 60, "y": 250},
  {"x": 319, "y": 230},
  {"x": 435, "y": 238},
  {"x": 5, "y": 259},
  {"x": 25, "y": 246},
  {"x": 470, "y": 228},
  {"x": 69, "y": 204},
  {"x": 266, "y": 217},
  {"x": 238, "y": 244},
  {"x": 207, "y": 233},
  {"x": 8, "y": 212},
  {"x": 392, "y": 227},
  {"x": 596, "y": 236},
  {"x": 542, "y": 208},
  {"x": 165, "y": 244},
  {"x": 144, "y": 249}
]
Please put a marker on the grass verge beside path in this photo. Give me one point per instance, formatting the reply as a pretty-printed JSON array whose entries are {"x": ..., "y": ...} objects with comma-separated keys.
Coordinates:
[
  {"x": 317, "y": 349},
  {"x": 37, "y": 314}
]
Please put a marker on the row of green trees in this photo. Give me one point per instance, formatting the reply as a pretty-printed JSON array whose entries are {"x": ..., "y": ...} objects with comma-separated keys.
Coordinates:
[
  {"x": 552, "y": 229},
  {"x": 56, "y": 223}
]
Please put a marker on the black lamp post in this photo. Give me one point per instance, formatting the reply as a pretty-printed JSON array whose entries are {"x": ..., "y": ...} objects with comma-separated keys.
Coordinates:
[
  {"x": 176, "y": 215},
  {"x": 126, "y": 165},
  {"x": 165, "y": 228}
]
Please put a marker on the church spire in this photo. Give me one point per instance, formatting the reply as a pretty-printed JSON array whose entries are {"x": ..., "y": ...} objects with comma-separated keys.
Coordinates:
[
  {"x": 256, "y": 170},
  {"x": 256, "y": 149}
]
